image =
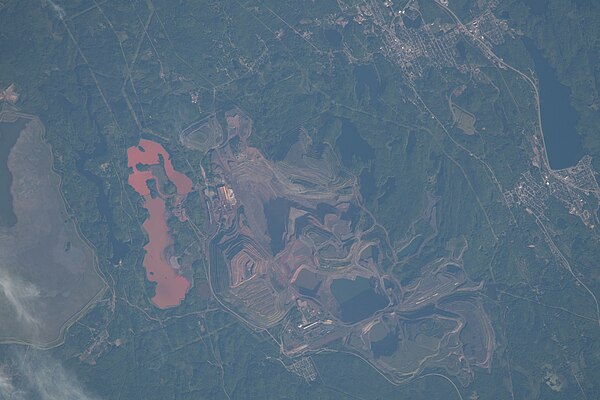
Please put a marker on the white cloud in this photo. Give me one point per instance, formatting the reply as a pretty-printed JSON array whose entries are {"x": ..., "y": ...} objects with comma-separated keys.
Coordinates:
[
  {"x": 51, "y": 381},
  {"x": 19, "y": 295},
  {"x": 41, "y": 376},
  {"x": 7, "y": 389}
]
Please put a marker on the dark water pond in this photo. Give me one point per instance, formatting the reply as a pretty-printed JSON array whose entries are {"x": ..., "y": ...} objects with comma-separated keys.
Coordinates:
[
  {"x": 414, "y": 23},
  {"x": 367, "y": 81},
  {"x": 461, "y": 47},
  {"x": 453, "y": 269},
  {"x": 277, "y": 211},
  {"x": 386, "y": 346},
  {"x": 368, "y": 188},
  {"x": 357, "y": 298},
  {"x": 323, "y": 209},
  {"x": 308, "y": 283},
  {"x": 352, "y": 214},
  {"x": 352, "y": 146},
  {"x": 559, "y": 118}
]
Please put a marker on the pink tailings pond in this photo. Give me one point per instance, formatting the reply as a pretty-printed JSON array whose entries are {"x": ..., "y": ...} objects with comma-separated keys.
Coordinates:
[{"x": 171, "y": 287}]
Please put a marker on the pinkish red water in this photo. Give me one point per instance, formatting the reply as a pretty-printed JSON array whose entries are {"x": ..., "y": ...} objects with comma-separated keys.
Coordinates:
[
  {"x": 150, "y": 156},
  {"x": 171, "y": 287}
]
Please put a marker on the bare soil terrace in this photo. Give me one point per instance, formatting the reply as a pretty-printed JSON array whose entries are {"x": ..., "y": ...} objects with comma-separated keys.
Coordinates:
[{"x": 294, "y": 234}]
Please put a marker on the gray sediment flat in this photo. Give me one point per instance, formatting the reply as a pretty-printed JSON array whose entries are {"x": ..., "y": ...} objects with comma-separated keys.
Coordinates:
[{"x": 48, "y": 272}]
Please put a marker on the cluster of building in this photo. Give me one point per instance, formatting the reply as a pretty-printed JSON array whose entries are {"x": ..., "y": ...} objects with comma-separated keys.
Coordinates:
[
  {"x": 415, "y": 45},
  {"x": 573, "y": 187},
  {"x": 304, "y": 368},
  {"x": 415, "y": 50},
  {"x": 488, "y": 28},
  {"x": 529, "y": 194},
  {"x": 226, "y": 196}
]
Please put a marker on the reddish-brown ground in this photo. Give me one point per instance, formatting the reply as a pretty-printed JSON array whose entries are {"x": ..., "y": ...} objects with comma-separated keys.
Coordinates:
[{"x": 170, "y": 286}]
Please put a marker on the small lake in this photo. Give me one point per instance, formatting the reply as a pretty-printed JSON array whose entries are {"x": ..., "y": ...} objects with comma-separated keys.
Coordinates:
[
  {"x": 368, "y": 188},
  {"x": 308, "y": 283},
  {"x": 277, "y": 212},
  {"x": 9, "y": 133},
  {"x": 352, "y": 145},
  {"x": 386, "y": 346},
  {"x": 322, "y": 210},
  {"x": 559, "y": 118},
  {"x": 414, "y": 23},
  {"x": 367, "y": 82},
  {"x": 357, "y": 299}
]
